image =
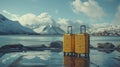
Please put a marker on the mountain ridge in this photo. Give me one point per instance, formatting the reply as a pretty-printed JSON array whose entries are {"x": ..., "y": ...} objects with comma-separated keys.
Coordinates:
[
  {"x": 12, "y": 27},
  {"x": 49, "y": 29}
]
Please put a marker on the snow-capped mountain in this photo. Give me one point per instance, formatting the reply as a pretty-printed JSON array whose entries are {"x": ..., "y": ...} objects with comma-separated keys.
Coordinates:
[
  {"x": 13, "y": 27},
  {"x": 105, "y": 29},
  {"x": 49, "y": 29}
]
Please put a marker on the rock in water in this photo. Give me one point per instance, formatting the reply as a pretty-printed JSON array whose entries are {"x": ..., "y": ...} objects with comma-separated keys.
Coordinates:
[
  {"x": 56, "y": 44},
  {"x": 105, "y": 45}
]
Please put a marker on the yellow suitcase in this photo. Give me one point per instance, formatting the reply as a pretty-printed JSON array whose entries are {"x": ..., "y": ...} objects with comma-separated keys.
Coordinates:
[
  {"x": 82, "y": 42},
  {"x": 69, "y": 42}
]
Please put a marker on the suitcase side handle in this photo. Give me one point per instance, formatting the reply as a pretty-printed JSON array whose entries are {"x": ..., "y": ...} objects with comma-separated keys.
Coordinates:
[
  {"x": 82, "y": 29},
  {"x": 69, "y": 30}
]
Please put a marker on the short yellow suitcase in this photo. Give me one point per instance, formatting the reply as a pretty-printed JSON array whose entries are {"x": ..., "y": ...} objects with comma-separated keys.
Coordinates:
[{"x": 82, "y": 41}]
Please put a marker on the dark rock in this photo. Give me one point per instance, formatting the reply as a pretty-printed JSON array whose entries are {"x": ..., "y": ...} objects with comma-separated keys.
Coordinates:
[
  {"x": 118, "y": 48},
  {"x": 105, "y": 45},
  {"x": 106, "y": 50},
  {"x": 91, "y": 46},
  {"x": 56, "y": 44},
  {"x": 36, "y": 47},
  {"x": 12, "y": 48},
  {"x": 43, "y": 46}
]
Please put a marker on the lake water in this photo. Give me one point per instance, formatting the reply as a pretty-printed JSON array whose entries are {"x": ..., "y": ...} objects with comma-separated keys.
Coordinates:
[
  {"x": 38, "y": 40},
  {"x": 28, "y": 40},
  {"x": 56, "y": 59}
]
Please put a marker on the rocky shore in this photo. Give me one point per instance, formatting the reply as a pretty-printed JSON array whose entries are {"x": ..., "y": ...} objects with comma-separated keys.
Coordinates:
[{"x": 56, "y": 46}]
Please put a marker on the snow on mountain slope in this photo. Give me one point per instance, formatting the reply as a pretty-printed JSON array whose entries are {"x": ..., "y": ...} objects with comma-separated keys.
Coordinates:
[
  {"x": 12, "y": 27},
  {"x": 39, "y": 29},
  {"x": 49, "y": 29},
  {"x": 95, "y": 28}
]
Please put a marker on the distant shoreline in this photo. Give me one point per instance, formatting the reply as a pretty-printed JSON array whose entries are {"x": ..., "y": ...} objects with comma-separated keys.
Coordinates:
[
  {"x": 34, "y": 35},
  {"x": 47, "y": 35}
]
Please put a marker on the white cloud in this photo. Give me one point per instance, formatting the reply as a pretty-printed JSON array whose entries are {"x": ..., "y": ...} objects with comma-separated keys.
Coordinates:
[
  {"x": 45, "y": 18},
  {"x": 27, "y": 19},
  {"x": 30, "y": 18},
  {"x": 117, "y": 16},
  {"x": 91, "y": 8},
  {"x": 64, "y": 23},
  {"x": 80, "y": 21}
]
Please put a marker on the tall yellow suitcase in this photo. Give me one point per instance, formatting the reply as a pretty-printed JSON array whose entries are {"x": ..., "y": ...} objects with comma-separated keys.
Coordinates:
[{"x": 69, "y": 42}]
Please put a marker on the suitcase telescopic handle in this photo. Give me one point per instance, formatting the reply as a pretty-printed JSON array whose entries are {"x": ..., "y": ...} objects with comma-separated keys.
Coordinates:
[
  {"x": 69, "y": 30},
  {"x": 82, "y": 29}
]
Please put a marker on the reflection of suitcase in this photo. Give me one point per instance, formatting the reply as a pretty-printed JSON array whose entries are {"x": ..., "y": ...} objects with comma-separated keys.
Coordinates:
[
  {"x": 69, "y": 61},
  {"x": 69, "y": 42},
  {"x": 82, "y": 41},
  {"x": 75, "y": 62},
  {"x": 81, "y": 62}
]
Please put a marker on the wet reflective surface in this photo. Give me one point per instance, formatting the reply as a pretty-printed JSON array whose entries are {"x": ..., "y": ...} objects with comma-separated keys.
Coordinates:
[
  {"x": 56, "y": 59},
  {"x": 48, "y": 58},
  {"x": 76, "y": 62}
]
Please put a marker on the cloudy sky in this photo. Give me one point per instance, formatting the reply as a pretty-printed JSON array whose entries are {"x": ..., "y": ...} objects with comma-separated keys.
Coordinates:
[{"x": 64, "y": 12}]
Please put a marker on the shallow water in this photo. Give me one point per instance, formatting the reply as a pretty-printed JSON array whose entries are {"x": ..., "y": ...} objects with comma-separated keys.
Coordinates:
[
  {"x": 28, "y": 40},
  {"x": 56, "y": 59}
]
